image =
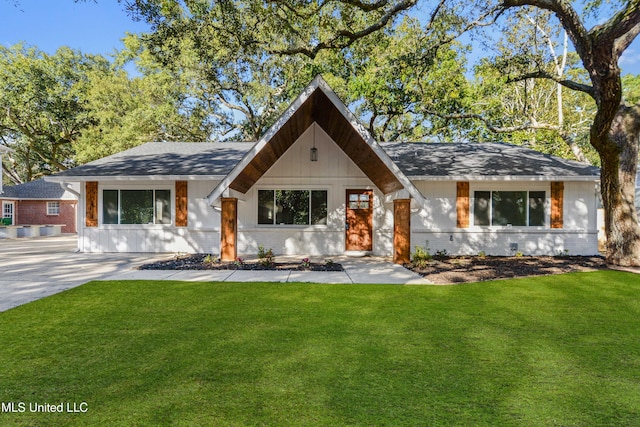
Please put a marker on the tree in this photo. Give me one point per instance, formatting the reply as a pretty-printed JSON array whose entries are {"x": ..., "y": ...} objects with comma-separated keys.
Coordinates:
[
  {"x": 128, "y": 111},
  {"x": 43, "y": 108}
]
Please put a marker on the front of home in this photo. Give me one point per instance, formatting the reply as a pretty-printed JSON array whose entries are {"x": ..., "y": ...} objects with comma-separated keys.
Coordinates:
[{"x": 317, "y": 184}]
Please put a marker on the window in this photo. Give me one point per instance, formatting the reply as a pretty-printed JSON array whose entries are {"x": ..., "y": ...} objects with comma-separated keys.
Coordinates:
[
  {"x": 296, "y": 207},
  {"x": 136, "y": 207},
  {"x": 517, "y": 208},
  {"x": 53, "y": 208},
  {"x": 7, "y": 212}
]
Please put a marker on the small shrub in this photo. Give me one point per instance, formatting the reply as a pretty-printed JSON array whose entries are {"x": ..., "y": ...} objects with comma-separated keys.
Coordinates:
[
  {"x": 239, "y": 262},
  {"x": 562, "y": 254},
  {"x": 265, "y": 256},
  {"x": 482, "y": 254},
  {"x": 208, "y": 259},
  {"x": 519, "y": 254},
  {"x": 328, "y": 262},
  {"x": 441, "y": 254},
  {"x": 306, "y": 263},
  {"x": 421, "y": 256}
]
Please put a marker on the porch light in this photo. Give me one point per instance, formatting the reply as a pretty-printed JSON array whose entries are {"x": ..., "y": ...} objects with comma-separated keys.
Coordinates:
[{"x": 313, "y": 153}]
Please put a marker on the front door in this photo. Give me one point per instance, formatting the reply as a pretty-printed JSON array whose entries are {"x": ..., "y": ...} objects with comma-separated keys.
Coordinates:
[{"x": 359, "y": 221}]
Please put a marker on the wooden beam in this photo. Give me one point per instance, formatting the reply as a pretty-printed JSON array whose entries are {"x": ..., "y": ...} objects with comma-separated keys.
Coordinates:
[
  {"x": 557, "y": 204},
  {"x": 229, "y": 229},
  {"x": 402, "y": 231},
  {"x": 91, "y": 202},
  {"x": 462, "y": 204}
]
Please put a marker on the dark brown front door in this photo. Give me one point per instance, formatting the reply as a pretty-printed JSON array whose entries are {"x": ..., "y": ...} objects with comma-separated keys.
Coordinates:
[{"x": 359, "y": 221}]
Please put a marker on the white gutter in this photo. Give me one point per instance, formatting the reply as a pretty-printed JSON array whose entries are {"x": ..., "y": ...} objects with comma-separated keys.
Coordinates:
[
  {"x": 70, "y": 178},
  {"x": 504, "y": 178}
]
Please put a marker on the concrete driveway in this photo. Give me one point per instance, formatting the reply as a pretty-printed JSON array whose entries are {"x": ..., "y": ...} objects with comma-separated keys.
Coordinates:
[{"x": 34, "y": 268}]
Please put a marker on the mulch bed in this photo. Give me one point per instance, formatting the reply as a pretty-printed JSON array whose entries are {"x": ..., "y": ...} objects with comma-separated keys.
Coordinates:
[
  {"x": 206, "y": 262},
  {"x": 442, "y": 270},
  {"x": 476, "y": 269}
]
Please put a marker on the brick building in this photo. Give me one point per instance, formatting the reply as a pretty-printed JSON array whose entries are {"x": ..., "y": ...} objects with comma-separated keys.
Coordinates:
[{"x": 39, "y": 203}]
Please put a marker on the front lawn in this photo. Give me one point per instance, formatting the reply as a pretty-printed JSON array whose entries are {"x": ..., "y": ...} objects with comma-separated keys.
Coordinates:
[{"x": 556, "y": 350}]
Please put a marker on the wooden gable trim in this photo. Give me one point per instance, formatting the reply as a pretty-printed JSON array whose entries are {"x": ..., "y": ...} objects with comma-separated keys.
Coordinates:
[
  {"x": 317, "y": 103},
  {"x": 462, "y": 204},
  {"x": 181, "y": 203},
  {"x": 91, "y": 202},
  {"x": 557, "y": 204}
]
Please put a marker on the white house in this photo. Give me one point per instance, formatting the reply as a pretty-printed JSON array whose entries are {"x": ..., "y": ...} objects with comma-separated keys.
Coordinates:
[{"x": 317, "y": 184}]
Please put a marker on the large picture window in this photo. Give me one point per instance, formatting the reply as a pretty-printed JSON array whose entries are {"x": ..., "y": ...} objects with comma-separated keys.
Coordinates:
[
  {"x": 516, "y": 208},
  {"x": 136, "y": 207},
  {"x": 292, "y": 207}
]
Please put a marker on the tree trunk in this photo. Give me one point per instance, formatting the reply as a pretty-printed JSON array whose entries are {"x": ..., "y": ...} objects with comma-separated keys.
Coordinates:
[{"x": 618, "y": 179}]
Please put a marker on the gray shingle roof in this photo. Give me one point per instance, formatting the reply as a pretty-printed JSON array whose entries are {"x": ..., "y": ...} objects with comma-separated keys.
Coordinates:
[
  {"x": 414, "y": 159},
  {"x": 166, "y": 158},
  {"x": 481, "y": 159},
  {"x": 39, "y": 189}
]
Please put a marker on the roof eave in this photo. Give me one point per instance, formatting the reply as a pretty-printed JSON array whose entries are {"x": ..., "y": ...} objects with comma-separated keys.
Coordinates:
[
  {"x": 78, "y": 178},
  {"x": 531, "y": 178}
]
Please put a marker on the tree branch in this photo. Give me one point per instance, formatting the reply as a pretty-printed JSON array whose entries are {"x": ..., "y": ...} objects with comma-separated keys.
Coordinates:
[{"x": 566, "y": 83}]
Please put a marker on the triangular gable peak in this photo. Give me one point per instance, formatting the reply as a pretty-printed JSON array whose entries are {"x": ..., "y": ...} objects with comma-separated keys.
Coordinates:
[{"x": 317, "y": 103}]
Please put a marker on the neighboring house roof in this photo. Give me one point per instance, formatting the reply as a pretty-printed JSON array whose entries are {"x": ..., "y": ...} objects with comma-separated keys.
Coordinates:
[
  {"x": 36, "y": 190},
  {"x": 214, "y": 159},
  {"x": 477, "y": 161}
]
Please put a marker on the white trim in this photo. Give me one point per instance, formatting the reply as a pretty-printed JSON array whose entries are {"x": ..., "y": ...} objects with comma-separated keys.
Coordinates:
[{"x": 317, "y": 83}]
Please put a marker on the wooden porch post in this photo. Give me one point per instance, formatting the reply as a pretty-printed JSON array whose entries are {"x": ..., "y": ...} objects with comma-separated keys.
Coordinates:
[
  {"x": 401, "y": 231},
  {"x": 228, "y": 229}
]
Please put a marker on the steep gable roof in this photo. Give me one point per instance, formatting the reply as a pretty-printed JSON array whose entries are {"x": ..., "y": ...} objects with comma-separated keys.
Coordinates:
[{"x": 317, "y": 103}]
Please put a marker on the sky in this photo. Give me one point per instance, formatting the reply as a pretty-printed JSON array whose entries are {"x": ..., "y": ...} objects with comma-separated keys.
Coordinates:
[{"x": 98, "y": 26}]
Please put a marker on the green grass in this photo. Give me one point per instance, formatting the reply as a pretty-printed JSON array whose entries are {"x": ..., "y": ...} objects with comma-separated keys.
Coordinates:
[{"x": 557, "y": 350}]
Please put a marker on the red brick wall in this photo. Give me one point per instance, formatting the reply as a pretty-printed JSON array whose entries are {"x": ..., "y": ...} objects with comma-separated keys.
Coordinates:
[{"x": 35, "y": 212}]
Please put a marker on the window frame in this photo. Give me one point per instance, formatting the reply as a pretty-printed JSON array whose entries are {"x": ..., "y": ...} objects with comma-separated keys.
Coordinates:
[
  {"x": 12, "y": 214},
  {"x": 119, "y": 189},
  {"x": 528, "y": 189},
  {"x": 290, "y": 188},
  {"x": 50, "y": 205}
]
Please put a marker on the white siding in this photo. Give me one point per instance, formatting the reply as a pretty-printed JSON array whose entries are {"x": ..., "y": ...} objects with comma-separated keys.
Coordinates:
[
  {"x": 435, "y": 223},
  {"x": 201, "y": 235}
]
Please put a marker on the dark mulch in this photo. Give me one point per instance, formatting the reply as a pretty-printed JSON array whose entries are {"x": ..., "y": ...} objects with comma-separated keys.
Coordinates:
[
  {"x": 476, "y": 269},
  {"x": 206, "y": 262}
]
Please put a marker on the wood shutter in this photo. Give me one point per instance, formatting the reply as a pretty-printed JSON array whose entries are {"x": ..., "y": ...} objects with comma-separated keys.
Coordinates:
[
  {"x": 181, "y": 203},
  {"x": 557, "y": 202},
  {"x": 91, "y": 201},
  {"x": 462, "y": 204}
]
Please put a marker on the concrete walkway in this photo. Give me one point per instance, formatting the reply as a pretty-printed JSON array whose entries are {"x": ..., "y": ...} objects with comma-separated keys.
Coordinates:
[{"x": 34, "y": 268}]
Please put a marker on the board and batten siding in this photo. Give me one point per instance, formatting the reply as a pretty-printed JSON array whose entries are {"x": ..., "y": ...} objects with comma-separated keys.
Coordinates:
[
  {"x": 437, "y": 224},
  {"x": 200, "y": 232},
  {"x": 334, "y": 172}
]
